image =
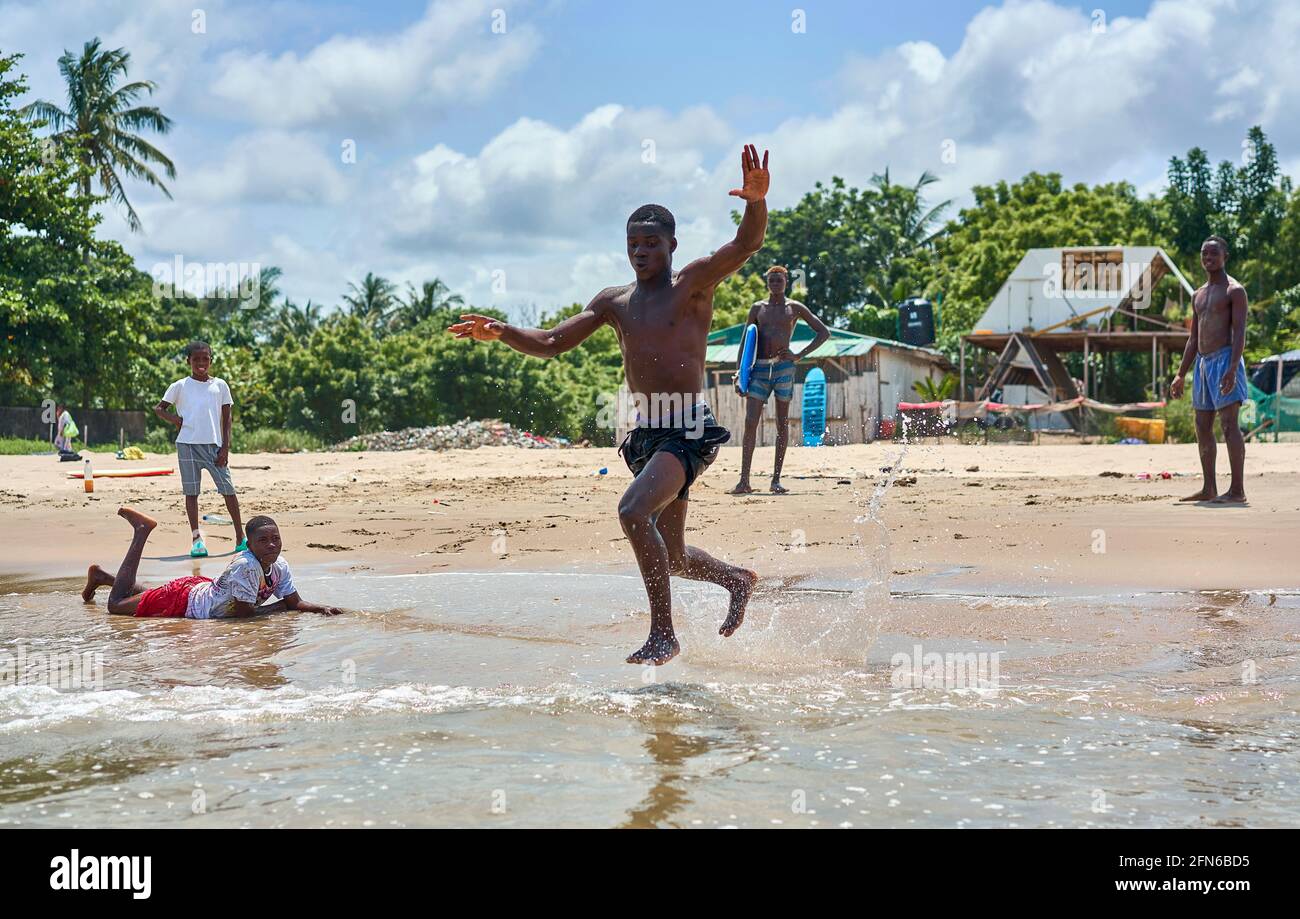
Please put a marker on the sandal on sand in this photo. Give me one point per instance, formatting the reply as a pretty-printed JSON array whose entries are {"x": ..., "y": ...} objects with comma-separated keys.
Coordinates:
[{"x": 198, "y": 550}]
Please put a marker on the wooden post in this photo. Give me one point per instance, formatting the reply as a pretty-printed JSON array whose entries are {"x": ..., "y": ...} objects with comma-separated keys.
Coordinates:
[
  {"x": 1277, "y": 399},
  {"x": 1155, "y": 386},
  {"x": 961, "y": 384},
  {"x": 1086, "y": 355}
]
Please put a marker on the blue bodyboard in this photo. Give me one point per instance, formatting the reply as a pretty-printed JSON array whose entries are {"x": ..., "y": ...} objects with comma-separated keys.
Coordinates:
[
  {"x": 814, "y": 407},
  {"x": 748, "y": 351}
]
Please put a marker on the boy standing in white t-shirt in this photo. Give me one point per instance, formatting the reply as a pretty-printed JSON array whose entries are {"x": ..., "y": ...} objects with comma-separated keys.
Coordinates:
[{"x": 203, "y": 414}]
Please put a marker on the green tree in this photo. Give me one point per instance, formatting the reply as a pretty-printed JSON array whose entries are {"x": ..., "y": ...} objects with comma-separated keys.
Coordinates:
[
  {"x": 905, "y": 228},
  {"x": 74, "y": 310},
  {"x": 855, "y": 247},
  {"x": 100, "y": 122},
  {"x": 371, "y": 301},
  {"x": 329, "y": 385},
  {"x": 829, "y": 238},
  {"x": 433, "y": 301},
  {"x": 733, "y": 298},
  {"x": 294, "y": 321}
]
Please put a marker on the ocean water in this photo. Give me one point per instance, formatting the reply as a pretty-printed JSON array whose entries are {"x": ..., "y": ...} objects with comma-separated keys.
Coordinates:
[{"x": 499, "y": 698}]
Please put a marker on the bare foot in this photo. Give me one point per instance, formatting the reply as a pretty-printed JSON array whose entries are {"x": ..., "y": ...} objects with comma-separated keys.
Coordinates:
[
  {"x": 137, "y": 519},
  {"x": 657, "y": 650},
  {"x": 779, "y": 489},
  {"x": 1230, "y": 497},
  {"x": 739, "y": 600},
  {"x": 96, "y": 578},
  {"x": 742, "y": 488},
  {"x": 1202, "y": 495}
]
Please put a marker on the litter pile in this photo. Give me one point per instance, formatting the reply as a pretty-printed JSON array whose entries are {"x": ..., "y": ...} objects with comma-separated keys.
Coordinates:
[{"x": 463, "y": 435}]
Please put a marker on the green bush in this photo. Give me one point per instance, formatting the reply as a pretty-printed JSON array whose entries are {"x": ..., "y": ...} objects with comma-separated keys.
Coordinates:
[
  {"x": 21, "y": 446},
  {"x": 1180, "y": 419},
  {"x": 159, "y": 440},
  {"x": 274, "y": 440}
]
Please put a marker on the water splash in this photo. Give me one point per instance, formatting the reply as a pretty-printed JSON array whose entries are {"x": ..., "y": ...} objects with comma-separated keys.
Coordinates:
[{"x": 806, "y": 618}]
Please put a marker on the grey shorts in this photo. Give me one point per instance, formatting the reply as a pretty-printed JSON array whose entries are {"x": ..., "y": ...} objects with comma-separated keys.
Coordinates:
[{"x": 194, "y": 458}]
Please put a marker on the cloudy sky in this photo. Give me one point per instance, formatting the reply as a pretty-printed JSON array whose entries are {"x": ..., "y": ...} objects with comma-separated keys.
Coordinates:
[{"x": 500, "y": 145}]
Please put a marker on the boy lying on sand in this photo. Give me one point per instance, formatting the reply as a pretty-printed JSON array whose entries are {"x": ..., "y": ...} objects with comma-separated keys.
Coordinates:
[
  {"x": 251, "y": 578},
  {"x": 662, "y": 323}
]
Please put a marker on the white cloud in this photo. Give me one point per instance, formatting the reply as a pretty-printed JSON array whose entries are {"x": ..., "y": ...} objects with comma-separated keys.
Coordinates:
[
  {"x": 269, "y": 167},
  {"x": 449, "y": 56},
  {"x": 924, "y": 58},
  {"x": 540, "y": 201},
  {"x": 547, "y": 186}
]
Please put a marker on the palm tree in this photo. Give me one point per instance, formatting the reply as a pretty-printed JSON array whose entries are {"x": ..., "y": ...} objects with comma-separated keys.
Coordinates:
[
  {"x": 905, "y": 227},
  {"x": 434, "y": 298},
  {"x": 372, "y": 300},
  {"x": 100, "y": 119},
  {"x": 297, "y": 321}
]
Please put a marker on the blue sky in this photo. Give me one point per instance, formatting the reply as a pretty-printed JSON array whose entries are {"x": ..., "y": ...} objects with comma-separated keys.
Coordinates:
[{"x": 505, "y": 163}]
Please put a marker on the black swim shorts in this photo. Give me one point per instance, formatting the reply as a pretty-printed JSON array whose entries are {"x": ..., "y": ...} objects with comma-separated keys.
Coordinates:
[{"x": 695, "y": 445}]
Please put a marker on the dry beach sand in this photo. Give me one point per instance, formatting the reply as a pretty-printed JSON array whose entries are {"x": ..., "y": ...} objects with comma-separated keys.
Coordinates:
[{"x": 1026, "y": 514}]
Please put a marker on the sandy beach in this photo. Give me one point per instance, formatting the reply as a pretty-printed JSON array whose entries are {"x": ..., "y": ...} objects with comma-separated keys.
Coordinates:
[{"x": 1006, "y": 514}]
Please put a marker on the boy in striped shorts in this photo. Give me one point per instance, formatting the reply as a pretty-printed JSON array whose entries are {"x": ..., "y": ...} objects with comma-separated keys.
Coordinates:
[
  {"x": 774, "y": 372},
  {"x": 203, "y": 414}
]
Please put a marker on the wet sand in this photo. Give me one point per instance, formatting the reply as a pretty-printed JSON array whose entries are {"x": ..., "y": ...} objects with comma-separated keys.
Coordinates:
[{"x": 1145, "y": 656}]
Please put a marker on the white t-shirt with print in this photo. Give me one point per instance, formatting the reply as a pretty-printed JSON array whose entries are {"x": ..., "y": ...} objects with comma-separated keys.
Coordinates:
[
  {"x": 199, "y": 405},
  {"x": 244, "y": 580}
]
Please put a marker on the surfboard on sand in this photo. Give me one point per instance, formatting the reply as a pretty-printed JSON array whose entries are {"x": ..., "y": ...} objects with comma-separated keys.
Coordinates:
[
  {"x": 125, "y": 473},
  {"x": 748, "y": 351},
  {"x": 814, "y": 407}
]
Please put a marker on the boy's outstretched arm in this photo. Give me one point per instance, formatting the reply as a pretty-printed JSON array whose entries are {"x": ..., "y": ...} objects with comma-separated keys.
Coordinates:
[
  {"x": 708, "y": 272},
  {"x": 537, "y": 342},
  {"x": 295, "y": 602}
]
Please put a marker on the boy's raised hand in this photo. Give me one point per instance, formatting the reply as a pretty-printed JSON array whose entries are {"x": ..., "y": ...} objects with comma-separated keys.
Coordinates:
[
  {"x": 754, "y": 178},
  {"x": 479, "y": 328}
]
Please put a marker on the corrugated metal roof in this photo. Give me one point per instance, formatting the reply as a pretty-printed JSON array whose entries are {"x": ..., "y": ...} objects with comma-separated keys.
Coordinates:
[{"x": 724, "y": 344}]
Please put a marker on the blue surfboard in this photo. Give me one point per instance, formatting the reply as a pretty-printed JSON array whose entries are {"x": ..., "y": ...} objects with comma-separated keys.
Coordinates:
[
  {"x": 748, "y": 351},
  {"x": 814, "y": 407}
]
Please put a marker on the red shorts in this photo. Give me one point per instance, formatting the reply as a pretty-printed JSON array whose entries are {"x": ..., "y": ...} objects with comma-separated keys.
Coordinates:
[{"x": 170, "y": 599}]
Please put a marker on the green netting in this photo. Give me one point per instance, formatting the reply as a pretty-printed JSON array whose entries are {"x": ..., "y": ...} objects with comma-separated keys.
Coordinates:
[{"x": 1266, "y": 406}]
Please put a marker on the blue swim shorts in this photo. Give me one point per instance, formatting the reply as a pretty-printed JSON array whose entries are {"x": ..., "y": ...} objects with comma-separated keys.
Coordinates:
[
  {"x": 771, "y": 375},
  {"x": 1207, "y": 375}
]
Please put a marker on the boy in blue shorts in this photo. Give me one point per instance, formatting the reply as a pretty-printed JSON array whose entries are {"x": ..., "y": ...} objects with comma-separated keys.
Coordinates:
[
  {"x": 774, "y": 371},
  {"x": 1214, "y": 349}
]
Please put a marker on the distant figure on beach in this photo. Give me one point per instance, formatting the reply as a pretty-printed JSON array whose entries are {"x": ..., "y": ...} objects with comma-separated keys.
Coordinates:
[
  {"x": 203, "y": 413},
  {"x": 251, "y": 578},
  {"x": 1215, "y": 345},
  {"x": 662, "y": 324},
  {"x": 776, "y": 318},
  {"x": 67, "y": 431}
]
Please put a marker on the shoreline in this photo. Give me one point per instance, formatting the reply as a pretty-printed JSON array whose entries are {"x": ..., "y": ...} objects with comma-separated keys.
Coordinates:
[{"x": 1028, "y": 515}]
